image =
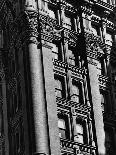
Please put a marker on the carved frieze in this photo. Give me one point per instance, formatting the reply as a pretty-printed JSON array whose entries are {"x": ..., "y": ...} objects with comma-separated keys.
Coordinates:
[{"x": 95, "y": 47}]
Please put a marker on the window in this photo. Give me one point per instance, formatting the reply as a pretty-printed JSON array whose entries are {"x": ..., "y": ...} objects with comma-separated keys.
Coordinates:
[
  {"x": 56, "y": 51},
  {"x": 86, "y": 23},
  {"x": 71, "y": 57},
  {"x": 69, "y": 22},
  {"x": 95, "y": 29},
  {"x": 102, "y": 102},
  {"x": 63, "y": 126},
  {"x": 109, "y": 39},
  {"x": 77, "y": 92},
  {"x": 79, "y": 134},
  {"x": 101, "y": 66},
  {"x": 59, "y": 86}
]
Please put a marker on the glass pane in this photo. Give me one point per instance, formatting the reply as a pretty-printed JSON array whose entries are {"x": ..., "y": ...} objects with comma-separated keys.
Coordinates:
[
  {"x": 62, "y": 133},
  {"x": 61, "y": 123},
  {"x": 109, "y": 39},
  {"x": 75, "y": 89},
  {"x": 86, "y": 23},
  {"x": 54, "y": 48},
  {"x": 79, "y": 128},
  {"x": 79, "y": 138},
  {"x": 58, "y": 93},
  {"x": 58, "y": 84},
  {"x": 68, "y": 20}
]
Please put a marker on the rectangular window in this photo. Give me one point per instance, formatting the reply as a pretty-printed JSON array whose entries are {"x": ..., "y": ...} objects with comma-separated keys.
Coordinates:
[
  {"x": 71, "y": 57},
  {"x": 79, "y": 134},
  {"x": 95, "y": 29},
  {"x": 77, "y": 92},
  {"x": 109, "y": 38},
  {"x": 63, "y": 126},
  {"x": 69, "y": 22},
  {"x": 102, "y": 102},
  {"x": 56, "y": 51},
  {"x": 101, "y": 66},
  {"x": 59, "y": 86},
  {"x": 86, "y": 23}
]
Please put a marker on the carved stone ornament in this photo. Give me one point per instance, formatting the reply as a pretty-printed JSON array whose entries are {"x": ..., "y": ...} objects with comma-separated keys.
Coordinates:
[
  {"x": 25, "y": 27},
  {"x": 94, "y": 46}
]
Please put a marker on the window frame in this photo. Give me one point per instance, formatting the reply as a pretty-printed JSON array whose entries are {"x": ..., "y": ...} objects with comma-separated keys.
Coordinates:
[
  {"x": 61, "y": 78},
  {"x": 65, "y": 117},
  {"x": 72, "y": 18},
  {"x": 82, "y": 121},
  {"x": 79, "y": 85}
]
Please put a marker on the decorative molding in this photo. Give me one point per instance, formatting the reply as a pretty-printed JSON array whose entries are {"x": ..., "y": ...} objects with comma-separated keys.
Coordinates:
[
  {"x": 72, "y": 147},
  {"x": 94, "y": 46},
  {"x": 12, "y": 84},
  {"x": 105, "y": 5},
  {"x": 104, "y": 82},
  {"x": 24, "y": 28}
]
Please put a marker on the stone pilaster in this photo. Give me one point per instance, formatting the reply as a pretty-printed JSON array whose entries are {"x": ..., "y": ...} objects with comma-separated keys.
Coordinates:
[
  {"x": 27, "y": 25},
  {"x": 98, "y": 116}
]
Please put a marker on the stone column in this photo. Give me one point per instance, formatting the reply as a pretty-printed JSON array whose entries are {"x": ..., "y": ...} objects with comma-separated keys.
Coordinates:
[
  {"x": 33, "y": 56},
  {"x": 38, "y": 99}
]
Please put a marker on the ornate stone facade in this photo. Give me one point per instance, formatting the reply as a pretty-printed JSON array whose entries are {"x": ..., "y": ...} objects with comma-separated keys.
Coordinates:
[{"x": 57, "y": 77}]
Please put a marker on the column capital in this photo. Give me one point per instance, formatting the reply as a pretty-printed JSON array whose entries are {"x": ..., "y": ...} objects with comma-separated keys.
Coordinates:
[{"x": 25, "y": 28}]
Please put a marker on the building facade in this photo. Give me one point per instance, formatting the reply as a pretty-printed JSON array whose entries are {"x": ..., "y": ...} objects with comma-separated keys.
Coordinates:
[{"x": 57, "y": 77}]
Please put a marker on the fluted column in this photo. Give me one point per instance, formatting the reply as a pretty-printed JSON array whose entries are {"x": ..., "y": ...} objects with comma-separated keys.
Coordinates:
[{"x": 34, "y": 72}]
